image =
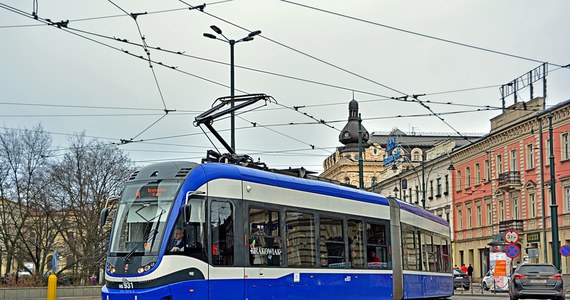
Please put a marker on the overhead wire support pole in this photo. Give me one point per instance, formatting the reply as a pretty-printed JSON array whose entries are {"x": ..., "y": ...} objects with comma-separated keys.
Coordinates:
[
  {"x": 541, "y": 150},
  {"x": 360, "y": 162},
  {"x": 553, "y": 205},
  {"x": 232, "y": 43},
  {"x": 423, "y": 180}
]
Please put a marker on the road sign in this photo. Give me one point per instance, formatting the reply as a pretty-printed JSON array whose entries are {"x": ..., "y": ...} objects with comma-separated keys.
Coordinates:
[
  {"x": 54, "y": 261},
  {"x": 511, "y": 236},
  {"x": 512, "y": 251},
  {"x": 565, "y": 250}
]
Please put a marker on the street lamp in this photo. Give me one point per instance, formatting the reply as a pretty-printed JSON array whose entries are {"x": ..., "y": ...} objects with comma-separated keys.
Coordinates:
[{"x": 247, "y": 38}]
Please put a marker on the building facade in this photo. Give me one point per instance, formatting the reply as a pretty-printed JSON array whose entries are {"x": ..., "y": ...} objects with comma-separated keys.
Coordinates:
[{"x": 502, "y": 181}]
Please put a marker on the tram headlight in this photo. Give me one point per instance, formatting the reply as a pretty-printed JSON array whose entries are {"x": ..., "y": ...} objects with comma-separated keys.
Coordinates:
[
  {"x": 146, "y": 267},
  {"x": 110, "y": 268}
]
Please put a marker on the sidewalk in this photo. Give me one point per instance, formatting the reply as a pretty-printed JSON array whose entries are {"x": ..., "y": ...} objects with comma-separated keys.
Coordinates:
[{"x": 477, "y": 290}]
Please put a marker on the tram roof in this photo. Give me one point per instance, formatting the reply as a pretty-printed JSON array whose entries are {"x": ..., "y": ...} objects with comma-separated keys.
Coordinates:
[{"x": 219, "y": 170}]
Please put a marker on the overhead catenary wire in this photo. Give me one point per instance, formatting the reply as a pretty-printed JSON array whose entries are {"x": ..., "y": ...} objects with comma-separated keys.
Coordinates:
[
  {"x": 147, "y": 51},
  {"x": 421, "y": 34},
  {"x": 427, "y": 101},
  {"x": 271, "y": 73}
]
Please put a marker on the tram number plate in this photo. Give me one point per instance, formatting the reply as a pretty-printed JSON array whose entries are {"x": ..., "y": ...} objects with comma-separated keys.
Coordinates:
[
  {"x": 126, "y": 285},
  {"x": 538, "y": 281}
]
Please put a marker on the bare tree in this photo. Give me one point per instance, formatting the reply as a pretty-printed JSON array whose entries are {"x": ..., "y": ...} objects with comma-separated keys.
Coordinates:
[
  {"x": 89, "y": 173},
  {"x": 25, "y": 216}
]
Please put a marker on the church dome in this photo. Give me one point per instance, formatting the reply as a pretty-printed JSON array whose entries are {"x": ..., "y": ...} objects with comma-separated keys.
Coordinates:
[{"x": 349, "y": 134}]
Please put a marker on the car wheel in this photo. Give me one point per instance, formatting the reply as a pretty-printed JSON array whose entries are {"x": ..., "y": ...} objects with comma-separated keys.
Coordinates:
[{"x": 466, "y": 287}]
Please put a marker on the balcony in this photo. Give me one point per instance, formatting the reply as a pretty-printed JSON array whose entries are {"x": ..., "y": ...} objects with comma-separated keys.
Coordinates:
[
  {"x": 517, "y": 225},
  {"x": 509, "y": 180}
]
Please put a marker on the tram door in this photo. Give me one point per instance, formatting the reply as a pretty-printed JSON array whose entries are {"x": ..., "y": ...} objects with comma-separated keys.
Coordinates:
[
  {"x": 263, "y": 275},
  {"x": 226, "y": 279}
]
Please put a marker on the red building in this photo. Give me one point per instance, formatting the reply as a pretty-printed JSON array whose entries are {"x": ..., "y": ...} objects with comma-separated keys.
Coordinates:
[{"x": 502, "y": 181}]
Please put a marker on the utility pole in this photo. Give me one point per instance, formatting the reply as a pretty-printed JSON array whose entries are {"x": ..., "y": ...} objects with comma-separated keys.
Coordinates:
[
  {"x": 423, "y": 181},
  {"x": 544, "y": 241},
  {"x": 360, "y": 163},
  {"x": 553, "y": 205}
]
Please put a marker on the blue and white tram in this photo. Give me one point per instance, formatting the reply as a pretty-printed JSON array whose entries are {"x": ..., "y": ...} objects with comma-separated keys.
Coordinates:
[{"x": 252, "y": 234}]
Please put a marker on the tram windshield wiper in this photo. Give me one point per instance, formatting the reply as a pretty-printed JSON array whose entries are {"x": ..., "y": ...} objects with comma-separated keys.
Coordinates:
[{"x": 145, "y": 239}]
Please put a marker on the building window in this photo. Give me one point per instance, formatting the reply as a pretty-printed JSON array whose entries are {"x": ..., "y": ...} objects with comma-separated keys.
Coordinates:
[
  {"x": 567, "y": 196},
  {"x": 489, "y": 220},
  {"x": 459, "y": 219},
  {"x": 416, "y": 156},
  {"x": 467, "y": 177},
  {"x": 417, "y": 194},
  {"x": 446, "y": 184},
  {"x": 374, "y": 180},
  {"x": 487, "y": 170},
  {"x": 469, "y": 218},
  {"x": 516, "y": 208},
  {"x": 477, "y": 174},
  {"x": 478, "y": 216},
  {"x": 529, "y": 156},
  {"x": 514, "y": 160},
  {"x": 458, "y": 180},
  {"x": 499, "y": 164},
  {"x": 438, "y": 187},
  {"x": 565, "y": 147},
  {"x": 531, "y": 205},
  {"x": 431, "y": 189},
  {"x": 547, "y": 153},
  {"x": 346, "y": 180},
  {"x": 501, "y": 211}
]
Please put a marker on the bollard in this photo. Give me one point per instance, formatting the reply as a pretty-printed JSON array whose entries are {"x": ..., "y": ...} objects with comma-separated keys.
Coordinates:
[{"x": 52, "y": 286}]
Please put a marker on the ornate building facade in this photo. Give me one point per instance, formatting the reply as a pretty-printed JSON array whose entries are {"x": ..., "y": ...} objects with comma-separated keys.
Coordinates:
[{"x": 498, "y": 185}]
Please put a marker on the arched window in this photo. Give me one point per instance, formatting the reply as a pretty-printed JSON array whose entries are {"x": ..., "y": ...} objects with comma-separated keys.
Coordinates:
[
  {"x": 346, "y": 180},
  {"x": 374, "y": 180}
]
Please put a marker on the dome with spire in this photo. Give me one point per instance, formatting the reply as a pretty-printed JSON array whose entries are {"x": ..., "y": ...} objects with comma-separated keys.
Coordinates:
[{"x": 349, "y": 134}]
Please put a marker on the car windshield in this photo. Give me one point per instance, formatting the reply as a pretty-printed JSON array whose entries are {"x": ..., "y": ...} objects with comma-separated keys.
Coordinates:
[{"x": 141, "y": 217}]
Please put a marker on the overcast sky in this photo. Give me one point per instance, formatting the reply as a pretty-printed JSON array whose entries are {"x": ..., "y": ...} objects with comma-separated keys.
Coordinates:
[{"x": 315, "y": 54}]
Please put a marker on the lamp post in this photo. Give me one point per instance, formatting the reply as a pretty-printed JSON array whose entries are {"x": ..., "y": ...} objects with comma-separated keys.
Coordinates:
[
  {"x": 553, "y": 205},
  {"x": 360, "y": 162},
  {"x": 231, "y": 42}
]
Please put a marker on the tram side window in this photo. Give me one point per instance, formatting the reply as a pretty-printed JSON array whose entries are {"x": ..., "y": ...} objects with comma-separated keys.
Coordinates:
[
  {"x": 377, "y": 250},
  {"x": 300, "y": 239},
  {"x": 356, "y": 243},
  {"x": 438, "y": 264},
  {"x": 445, "y": 249},
  {"x": 265, "y": 247},
  {"x": 332, "y": 243},
  {"x": 429, "y": 256},
  {"x": 410, "y": 248},
  {"x": 222, "y": 226},
  {"x": 189, "y": 238}
]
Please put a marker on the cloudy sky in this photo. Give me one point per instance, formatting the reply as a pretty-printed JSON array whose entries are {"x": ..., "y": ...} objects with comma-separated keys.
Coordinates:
[{"x": 314, "y": 56}]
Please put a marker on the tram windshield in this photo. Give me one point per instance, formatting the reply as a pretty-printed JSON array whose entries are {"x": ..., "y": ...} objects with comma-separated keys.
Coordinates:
[{"x": 141, "y": 217}]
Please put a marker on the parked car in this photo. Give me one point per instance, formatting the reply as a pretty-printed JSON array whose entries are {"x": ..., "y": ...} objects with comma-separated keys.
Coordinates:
[
  {"x": 536, "y": 281},
  {"x": 461, "y": 280},
  {"x": 488, "y": 280}
]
